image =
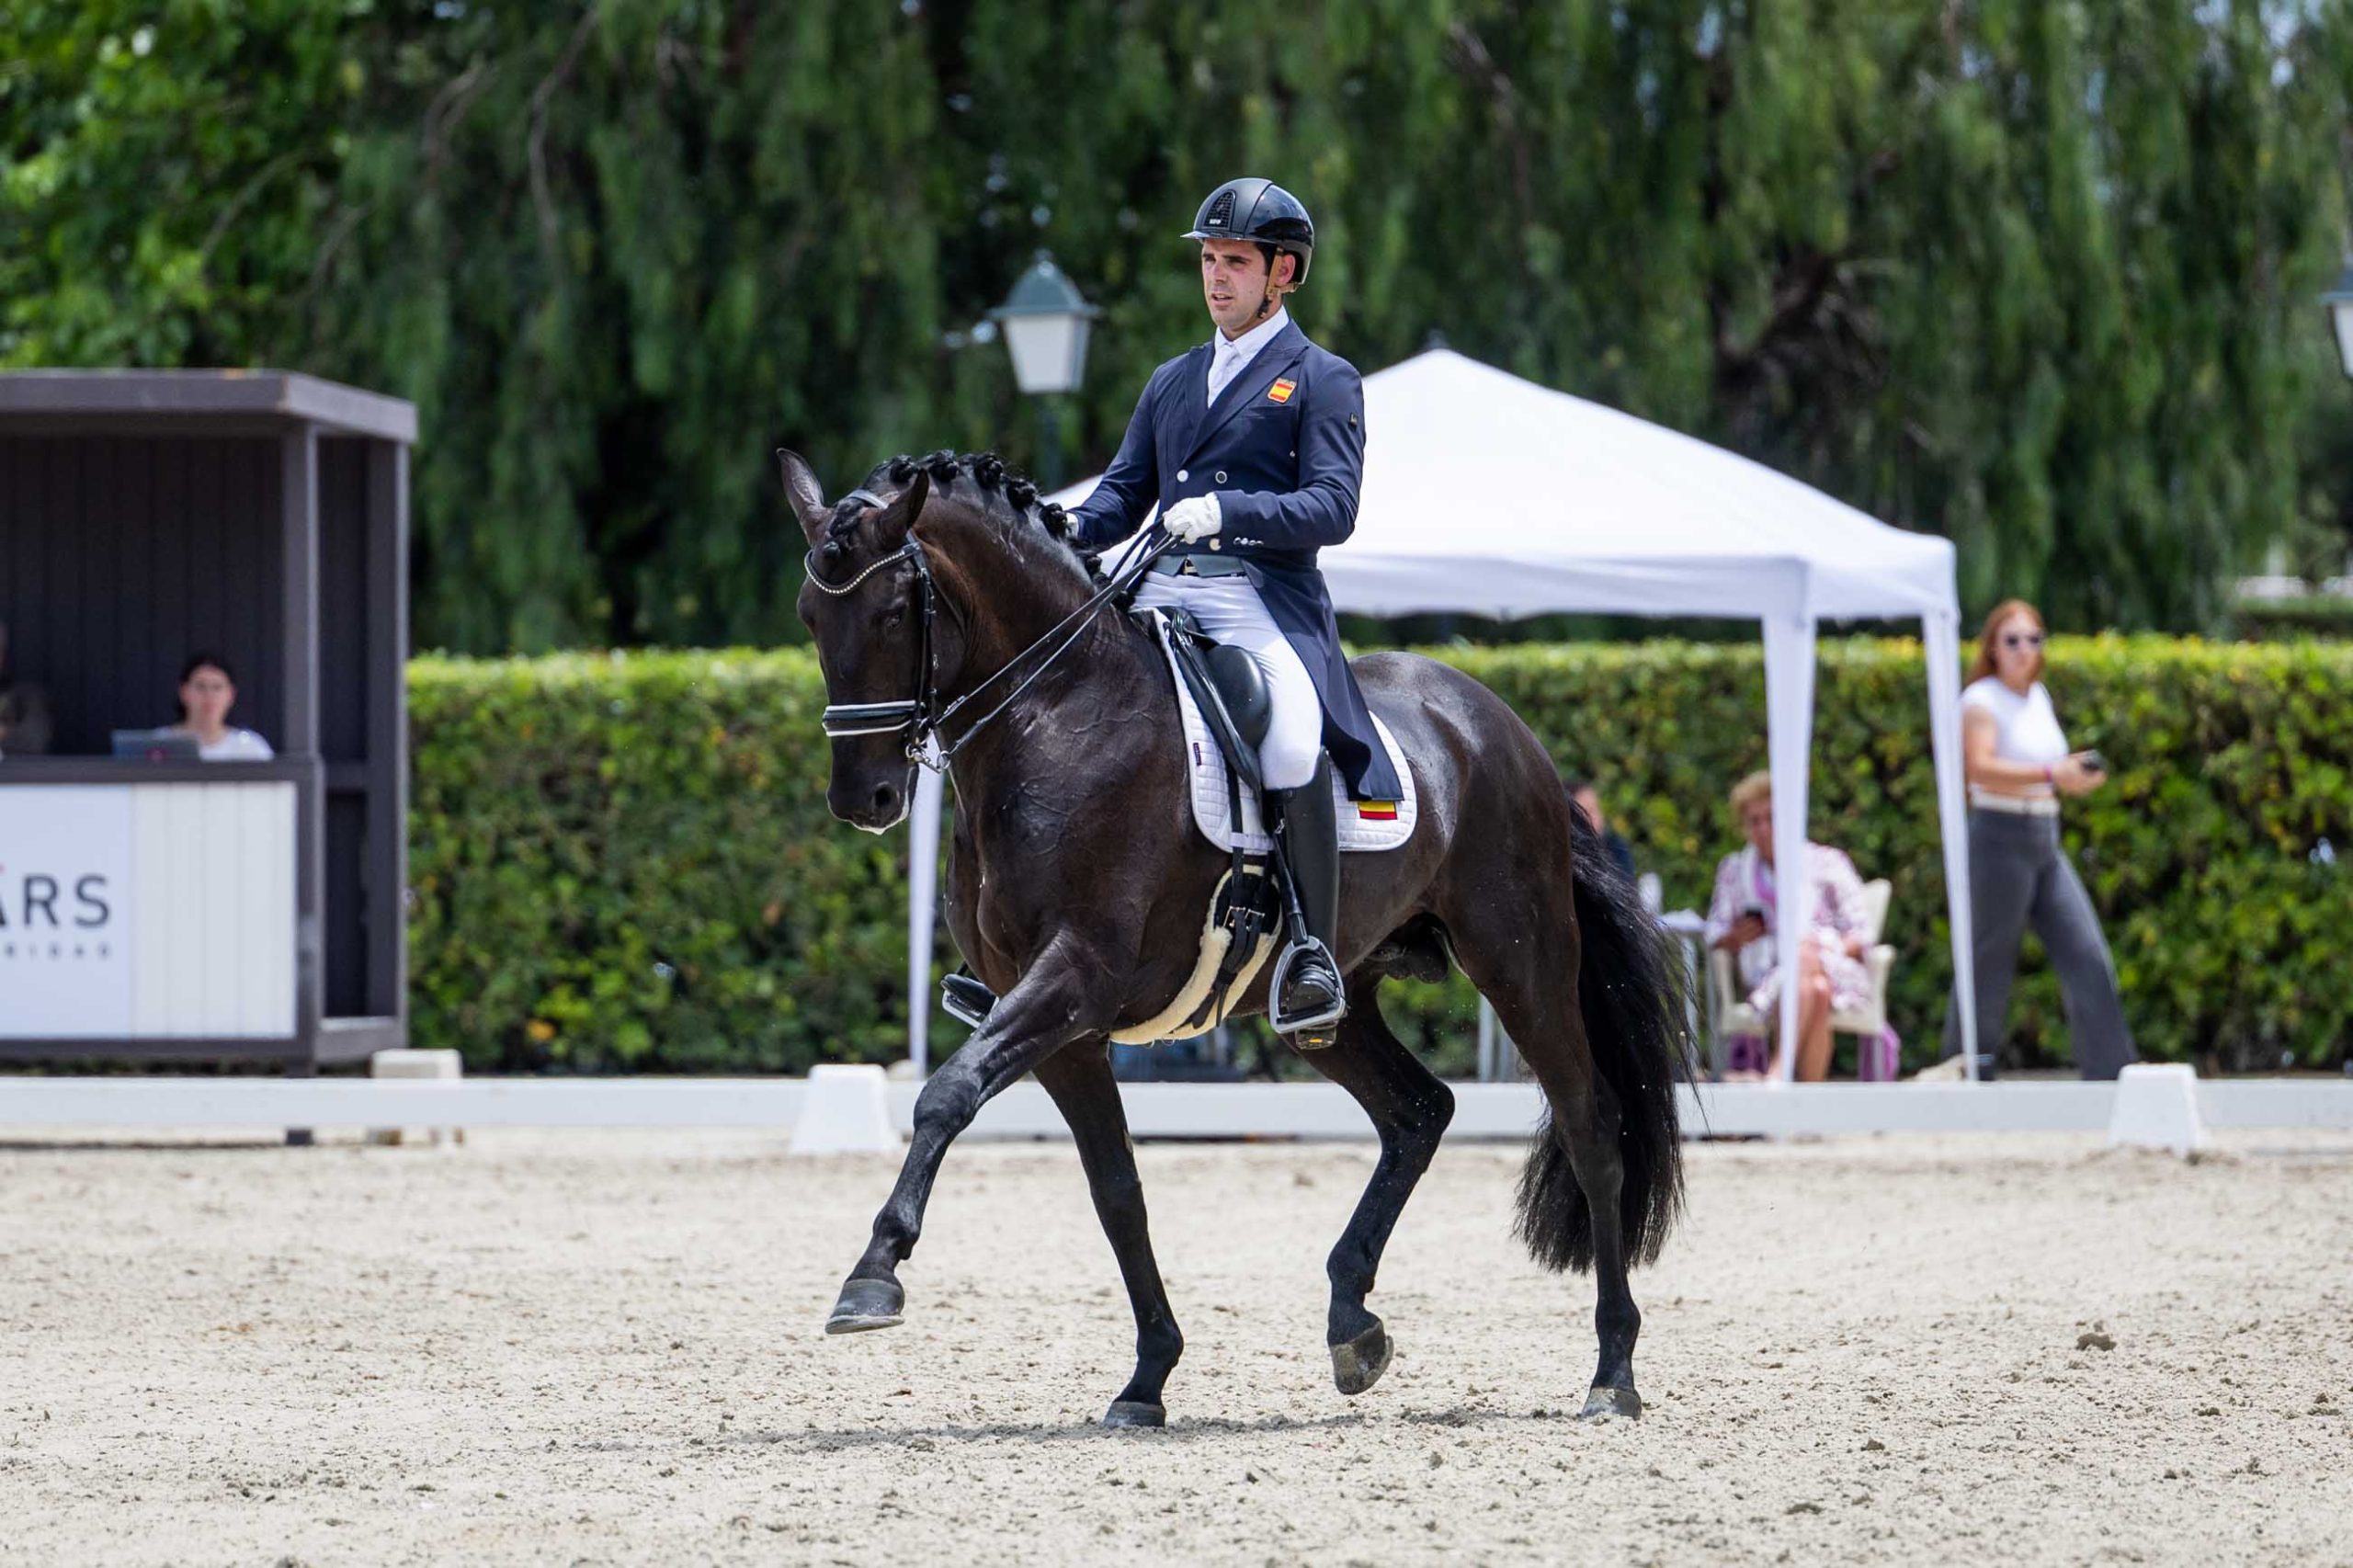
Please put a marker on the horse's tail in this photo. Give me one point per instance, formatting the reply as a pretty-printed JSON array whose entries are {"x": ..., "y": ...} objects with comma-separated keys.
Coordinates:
[{"x": 1635, "y": 993}]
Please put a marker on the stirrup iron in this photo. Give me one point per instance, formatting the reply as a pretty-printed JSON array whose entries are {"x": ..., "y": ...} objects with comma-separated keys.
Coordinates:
[
  {"x": 1316, "y": 1031},
  {"x": 965, "y": 998}
]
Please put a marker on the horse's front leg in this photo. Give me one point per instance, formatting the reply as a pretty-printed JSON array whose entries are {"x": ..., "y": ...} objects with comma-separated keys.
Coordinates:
[
  {"x": 1081, "y": 1083},
  {"x": 1048, "y": 1010}
]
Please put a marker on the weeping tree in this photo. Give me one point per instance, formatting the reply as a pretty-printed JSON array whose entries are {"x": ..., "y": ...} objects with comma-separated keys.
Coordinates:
[{"x": 2036, "y": 276}]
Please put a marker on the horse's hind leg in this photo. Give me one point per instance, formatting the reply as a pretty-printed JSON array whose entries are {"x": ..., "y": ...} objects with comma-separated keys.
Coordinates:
[
  {"x": 1047, "y": 1011},
  {"x": 1534, "y": 989},
  {"x": 1410, "y": 1109},
  {"x": 1080, "y": 1081},
  {"x": 1591, "y": 1146}
]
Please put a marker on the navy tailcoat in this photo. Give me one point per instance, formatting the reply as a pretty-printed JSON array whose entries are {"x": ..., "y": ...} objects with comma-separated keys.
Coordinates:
[{"x": 1282, "y": 449}]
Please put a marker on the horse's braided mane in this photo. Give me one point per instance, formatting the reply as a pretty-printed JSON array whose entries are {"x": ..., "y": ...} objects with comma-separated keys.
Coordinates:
[{"x": 1002, "y": 495}]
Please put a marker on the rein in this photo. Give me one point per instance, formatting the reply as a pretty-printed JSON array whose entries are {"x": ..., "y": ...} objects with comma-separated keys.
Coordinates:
[{"x": 920, "y": 718}]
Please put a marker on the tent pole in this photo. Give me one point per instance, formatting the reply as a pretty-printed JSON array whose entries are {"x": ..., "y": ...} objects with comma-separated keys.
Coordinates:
[
  {"x": 923, "y": 903},
  {"x": 1789, "y": 718},
  {"x": 1941, "y": 641}
]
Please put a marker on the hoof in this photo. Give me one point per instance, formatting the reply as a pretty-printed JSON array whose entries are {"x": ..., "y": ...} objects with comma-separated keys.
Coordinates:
[
  {"x": 1358, "y": 1364},
  {"x": 868, "y": 1303},
  {"x": 1602, "y": 1403},
  {"x": 1136, "y": 1413}
]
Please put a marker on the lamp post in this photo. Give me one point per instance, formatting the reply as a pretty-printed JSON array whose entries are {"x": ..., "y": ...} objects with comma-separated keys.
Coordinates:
[
  {"x": 2339, "y": 303},
  {"x": 1045, "y": 321}
]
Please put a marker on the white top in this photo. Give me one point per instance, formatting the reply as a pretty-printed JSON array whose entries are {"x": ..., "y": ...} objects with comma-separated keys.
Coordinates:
[
  {"x": 1233, "y": 353},
  {"x": 236, "y": 746},
  {"x": 2026, "y": 729}
]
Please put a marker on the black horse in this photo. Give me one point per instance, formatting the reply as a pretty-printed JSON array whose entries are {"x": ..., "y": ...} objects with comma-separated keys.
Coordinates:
[{"x": 1077, "y": 884}]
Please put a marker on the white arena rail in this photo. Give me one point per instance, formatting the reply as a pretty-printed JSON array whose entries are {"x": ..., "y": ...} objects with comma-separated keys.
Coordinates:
[{"x": 1312, "y": 1110}]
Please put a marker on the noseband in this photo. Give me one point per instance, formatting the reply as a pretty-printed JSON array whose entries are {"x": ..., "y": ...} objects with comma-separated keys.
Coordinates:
[{"x": 920, "y": 718}]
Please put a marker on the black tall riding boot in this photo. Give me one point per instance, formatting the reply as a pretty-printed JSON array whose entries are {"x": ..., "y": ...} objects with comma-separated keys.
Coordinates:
[{"x": 1307, "y": 998}]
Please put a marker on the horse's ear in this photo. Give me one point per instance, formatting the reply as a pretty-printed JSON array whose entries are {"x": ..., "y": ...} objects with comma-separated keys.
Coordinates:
[
  {"x": 801, "y": 490},
  {"x": 899, "y": 519}
]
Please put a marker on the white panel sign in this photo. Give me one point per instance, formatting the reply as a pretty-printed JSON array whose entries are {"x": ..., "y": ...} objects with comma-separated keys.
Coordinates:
[
  {"x": 147, "y": 912},
  {"x": 65, "y": 916},
  {"x": 213, "y": 886}
]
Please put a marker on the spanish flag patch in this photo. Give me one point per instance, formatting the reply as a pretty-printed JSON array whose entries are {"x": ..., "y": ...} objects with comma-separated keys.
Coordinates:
[
  {"x": 1376, "y": 811},
  {"x": 1280, "y": 391}
]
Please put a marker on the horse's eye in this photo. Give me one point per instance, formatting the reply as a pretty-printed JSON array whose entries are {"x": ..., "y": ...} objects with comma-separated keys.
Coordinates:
[{"x": 892, "y": 620}]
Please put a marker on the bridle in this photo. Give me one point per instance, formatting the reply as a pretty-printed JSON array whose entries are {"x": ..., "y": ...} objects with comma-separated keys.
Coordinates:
[{"x": 924, "y": 724}]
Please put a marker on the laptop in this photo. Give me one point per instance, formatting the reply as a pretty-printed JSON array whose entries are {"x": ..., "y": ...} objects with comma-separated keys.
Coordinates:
[{"x": 155, "y": 745}]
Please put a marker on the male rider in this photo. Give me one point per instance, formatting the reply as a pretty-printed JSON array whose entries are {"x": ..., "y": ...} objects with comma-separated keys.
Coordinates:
[{"x": 1252, "y": 445}]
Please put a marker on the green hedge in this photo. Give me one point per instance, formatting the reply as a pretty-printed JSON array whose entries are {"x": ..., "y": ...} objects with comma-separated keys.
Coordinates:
[
  {"x": 626, "y": 863},
  {"x": 2281, "y": 620}
]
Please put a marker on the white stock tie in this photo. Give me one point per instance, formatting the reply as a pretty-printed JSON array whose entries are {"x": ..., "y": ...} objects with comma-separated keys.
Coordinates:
[{"x": 1228, "y": 362}]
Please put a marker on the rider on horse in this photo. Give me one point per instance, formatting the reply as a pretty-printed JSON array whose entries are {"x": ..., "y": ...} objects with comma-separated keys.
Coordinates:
[
  {"x": 939, "y": 598},
  {"x": 1253, "y": 446}
]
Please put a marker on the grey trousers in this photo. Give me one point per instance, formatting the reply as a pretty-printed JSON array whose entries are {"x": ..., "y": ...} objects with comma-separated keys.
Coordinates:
[{"x": 2019, "y": 876}]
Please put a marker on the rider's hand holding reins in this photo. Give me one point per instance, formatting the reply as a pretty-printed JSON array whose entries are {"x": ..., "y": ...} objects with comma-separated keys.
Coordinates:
[{"x": 1194, "y": 518}]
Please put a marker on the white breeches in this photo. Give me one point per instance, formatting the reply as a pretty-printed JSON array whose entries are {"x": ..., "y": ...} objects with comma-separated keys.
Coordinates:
[{"x": 1229, "y": 611}]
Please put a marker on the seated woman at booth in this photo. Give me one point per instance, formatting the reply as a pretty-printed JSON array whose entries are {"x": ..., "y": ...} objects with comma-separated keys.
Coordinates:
[
  {"x": 1831, "y": 976},
  {"x": 207, "y": 693}
]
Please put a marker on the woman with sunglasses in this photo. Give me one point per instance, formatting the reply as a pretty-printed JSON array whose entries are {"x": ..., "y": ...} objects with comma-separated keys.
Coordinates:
[{"x": 2019, "y": 767}]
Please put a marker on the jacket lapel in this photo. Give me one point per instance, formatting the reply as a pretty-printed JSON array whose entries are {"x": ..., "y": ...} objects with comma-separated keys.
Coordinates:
[
  {"x": 1280, "y": 355},
  {"x": 1192, "y": 390}
]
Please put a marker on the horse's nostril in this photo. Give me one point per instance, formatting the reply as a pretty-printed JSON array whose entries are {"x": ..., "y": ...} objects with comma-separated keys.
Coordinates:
[{"x": 886, "y": 799}]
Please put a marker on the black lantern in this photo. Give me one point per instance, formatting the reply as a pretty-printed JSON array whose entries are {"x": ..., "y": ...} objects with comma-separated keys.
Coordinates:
[{"x": 1045, "y": 321}]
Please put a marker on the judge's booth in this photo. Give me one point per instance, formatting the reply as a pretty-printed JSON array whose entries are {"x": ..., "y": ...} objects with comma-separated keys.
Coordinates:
[
  {"x": 153, "y": 906},
  {"x": 1487, "y": 494}
]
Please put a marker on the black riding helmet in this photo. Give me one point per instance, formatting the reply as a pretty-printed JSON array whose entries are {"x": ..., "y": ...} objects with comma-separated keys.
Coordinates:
[{"x": 1260, "y": 211}]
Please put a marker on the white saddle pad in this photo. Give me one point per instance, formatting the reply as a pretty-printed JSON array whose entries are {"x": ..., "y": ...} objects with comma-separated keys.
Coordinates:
[{"x": 1365, "y": 826}]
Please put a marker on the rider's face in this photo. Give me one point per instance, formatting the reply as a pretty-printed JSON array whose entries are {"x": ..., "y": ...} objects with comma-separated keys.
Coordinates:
[{"x": 1234, "y": 281}]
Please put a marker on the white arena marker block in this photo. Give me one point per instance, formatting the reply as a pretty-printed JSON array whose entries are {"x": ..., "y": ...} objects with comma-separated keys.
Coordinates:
[
  {"x": 845, "y": 1109},
  {"x": 415, "y": 1064},
  {"x": 2156, "y": 1108}
]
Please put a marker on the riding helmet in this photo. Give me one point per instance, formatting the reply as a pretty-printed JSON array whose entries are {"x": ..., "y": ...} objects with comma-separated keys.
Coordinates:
[{"x": 1259, "y": 210}]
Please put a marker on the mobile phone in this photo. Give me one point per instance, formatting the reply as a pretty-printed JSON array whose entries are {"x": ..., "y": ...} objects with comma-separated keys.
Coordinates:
[
  {"x": 2096, "y": 762},
  {"x": 1753, "y": 912}
]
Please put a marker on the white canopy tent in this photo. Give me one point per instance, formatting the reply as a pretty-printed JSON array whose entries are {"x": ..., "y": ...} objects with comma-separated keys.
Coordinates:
[{"x": 1487, "y": 494}]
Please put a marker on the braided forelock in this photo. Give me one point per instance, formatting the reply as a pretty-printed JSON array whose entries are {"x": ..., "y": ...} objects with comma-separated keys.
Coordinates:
[
  {"x": 850, "y": 510},
  {"x": 847, "y": 512}
]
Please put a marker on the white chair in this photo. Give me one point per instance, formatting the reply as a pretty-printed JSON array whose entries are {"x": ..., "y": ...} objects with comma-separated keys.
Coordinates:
[{"x": 1869, "y": 1020}]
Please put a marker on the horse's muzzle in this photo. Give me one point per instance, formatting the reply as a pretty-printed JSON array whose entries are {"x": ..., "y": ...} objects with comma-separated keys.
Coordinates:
[{"x": 875, "y": 805}]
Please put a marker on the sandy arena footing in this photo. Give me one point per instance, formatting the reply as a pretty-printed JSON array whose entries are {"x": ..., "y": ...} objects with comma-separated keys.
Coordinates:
[{"x": 605, "y": 1348}]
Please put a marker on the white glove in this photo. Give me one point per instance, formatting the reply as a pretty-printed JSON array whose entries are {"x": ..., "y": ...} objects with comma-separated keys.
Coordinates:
[{"x": 1194, "y": 518}]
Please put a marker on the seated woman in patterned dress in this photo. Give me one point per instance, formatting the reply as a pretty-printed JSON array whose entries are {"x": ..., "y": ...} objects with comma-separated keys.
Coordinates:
[{"x": 1831, "y": 976}]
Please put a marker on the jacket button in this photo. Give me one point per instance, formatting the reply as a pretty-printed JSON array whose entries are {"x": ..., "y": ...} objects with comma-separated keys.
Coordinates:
[
  {"x": 1221, "y": 476},
  {"x": 1182, "y": 476}
]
